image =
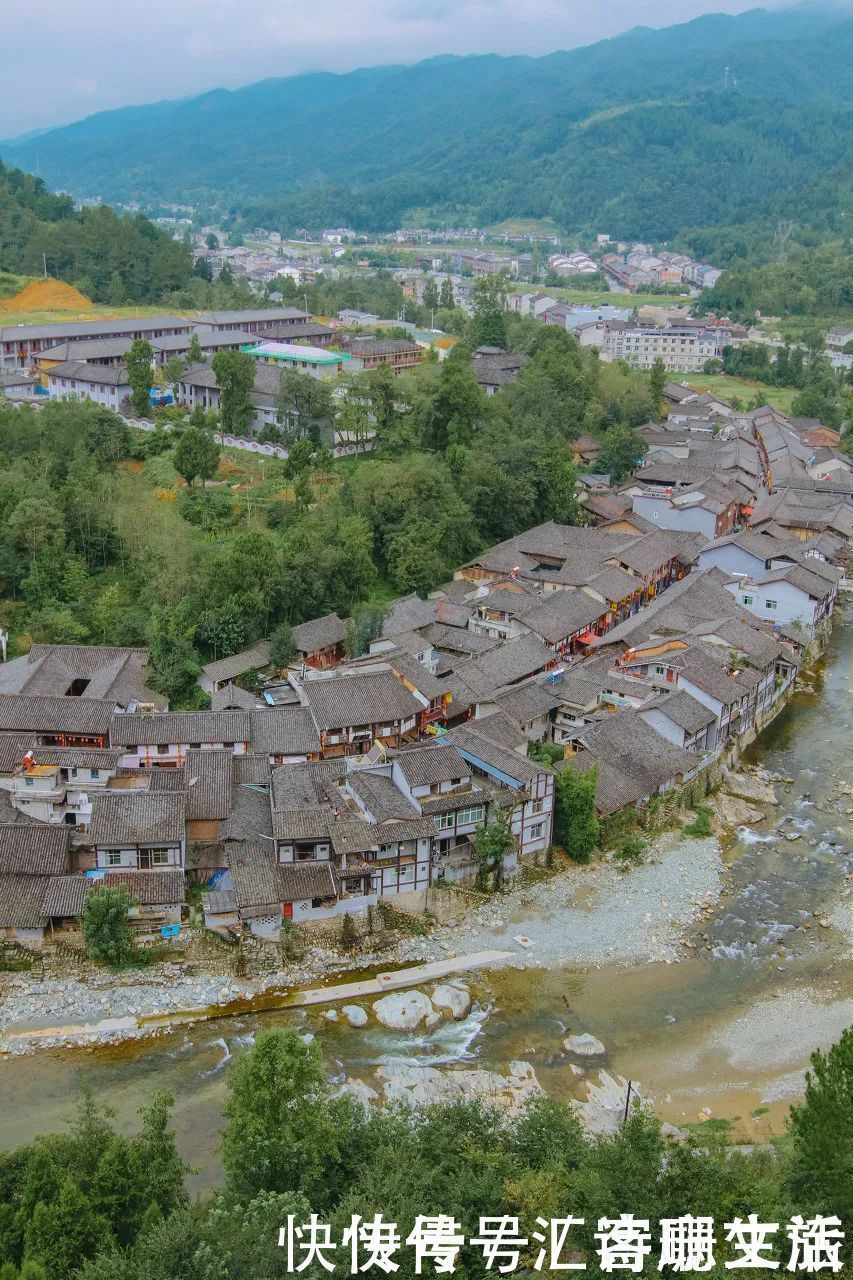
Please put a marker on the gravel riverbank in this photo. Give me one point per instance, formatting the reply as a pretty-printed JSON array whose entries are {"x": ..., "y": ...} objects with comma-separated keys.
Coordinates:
[
  {"x": 596, "y": 915},
  {"x": 576, "y": 918}
]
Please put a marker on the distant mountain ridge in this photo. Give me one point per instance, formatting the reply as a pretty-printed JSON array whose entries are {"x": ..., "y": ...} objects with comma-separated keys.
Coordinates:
[{"x": 722, "y": 119}]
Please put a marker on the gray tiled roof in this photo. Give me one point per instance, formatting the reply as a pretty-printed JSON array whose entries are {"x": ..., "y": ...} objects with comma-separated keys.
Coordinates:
[
  {"x": 239, "y": 663},
  {"x": 343, "y": 701},
  {"x": 64, "y": 895},
  {"x": 179, "y": 727},
  {"x": 683, "y": 709},
  {"x": 508, "y": 663},
  {"x": 472, "y": 738},
  {"x": 114, "y": 375},
  {"x": 78, "y": 757},
  {"x": 562, "y": 613},
  {"x": 250, "y": 816},
  {"x": 285, "y": 731},
  {"x": 320, "y": 633},
  {"x": 13, "y": 748},
  {"x": 379, "y": 796},
  {"x": 39, "y": 849},
  {"x": 633, "y": 759},
  {"x": 353, "y": 835},
  {"x": 148, "y": 888},
  {"x": 232, "y": 698},
  {"x": 86, "y": 717},
  {"x": 21, "y": 901},
  {"x": 111, "y": 672},
  {"x": 138, "y": 818},
  {"x": 424, "y": 765},
  {"x": 207, "y": 777},
  {"x": 261, "y": 882},
  {"x": 527, "y": 702},
  {"x": 306, "y": 880}
]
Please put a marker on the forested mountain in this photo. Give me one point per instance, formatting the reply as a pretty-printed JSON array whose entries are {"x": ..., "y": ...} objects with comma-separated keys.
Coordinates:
[
  {"x": 112, "y": 259},
  {"x": 643, "y": 135}
]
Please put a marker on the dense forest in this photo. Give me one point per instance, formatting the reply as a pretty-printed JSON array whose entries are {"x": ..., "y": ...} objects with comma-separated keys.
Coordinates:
[
  {"x": 95, "y": 1204},
  {"x": 110, "y": 258},
  {"x": 124, "y": 537},
  {"x": 816, "y": 281},
  {"x": 721, "y": 123}
]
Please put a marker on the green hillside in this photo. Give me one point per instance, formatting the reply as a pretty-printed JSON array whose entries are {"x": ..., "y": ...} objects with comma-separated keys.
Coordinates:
[
  {"x": 644, "y": 135},
  {"x": 111, "y": 259}
]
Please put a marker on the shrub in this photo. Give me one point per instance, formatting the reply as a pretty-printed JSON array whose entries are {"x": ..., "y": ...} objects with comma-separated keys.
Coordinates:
[
  {"x": 701, "y": 825},
  {"x": 106, "y": 931},
  {"x": 633, "y": 849}
]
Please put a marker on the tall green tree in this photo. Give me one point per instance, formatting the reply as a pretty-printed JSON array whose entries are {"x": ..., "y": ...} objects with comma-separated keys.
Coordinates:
[
  {"x": 195, "y": 355},
  {"x": 140, "y": 361},
  {"x": 821, "y": 1175},
  {"x": 431, "y": 295},
  {"x": 576, "y": 825},
  {"x": 303, "y": 404},
  {"x": 284, "y": 1128},
  {"x": 657, "y": 382},
  {"x": 235, "y": 377},
  {"x": 196, "y": 454},
  {"x": 488, "y": 300}
]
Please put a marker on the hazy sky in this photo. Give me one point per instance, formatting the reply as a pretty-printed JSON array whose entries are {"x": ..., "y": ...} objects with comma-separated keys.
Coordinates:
[{"x": 60, "y": 61}]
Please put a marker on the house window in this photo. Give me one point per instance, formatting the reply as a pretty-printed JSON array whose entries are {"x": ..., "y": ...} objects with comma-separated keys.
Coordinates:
[
  {"x": 770, "y": 604},
  {"x": 159, "y": 857},
  {"x": 474, "y": 814},
  {"x": 162, "y": 749},
  {"x": 93, "y": 773},
  {"x": 536, "y": 830},
  {"x": 659, "y": 671},
  {"x": 28, "y": 782},
  {"x": 748, "y": 599},
  {"x": 537, "y": 806},
  {"x": 443, "y": 821},
  {"x": 113, "y": 859}
]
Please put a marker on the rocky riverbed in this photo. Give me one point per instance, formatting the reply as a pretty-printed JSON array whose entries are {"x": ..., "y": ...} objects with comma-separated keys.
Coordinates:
[{"x": 581, "y": 916}]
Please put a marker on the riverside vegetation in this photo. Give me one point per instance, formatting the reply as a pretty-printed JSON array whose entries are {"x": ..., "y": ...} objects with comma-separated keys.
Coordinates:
[{"x": 94, "y": 1204}]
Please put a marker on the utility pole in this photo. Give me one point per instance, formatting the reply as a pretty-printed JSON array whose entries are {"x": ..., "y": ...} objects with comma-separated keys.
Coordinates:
[
  {"x": 44, "y": 262},
  {"x": 627, "y": 1104}
]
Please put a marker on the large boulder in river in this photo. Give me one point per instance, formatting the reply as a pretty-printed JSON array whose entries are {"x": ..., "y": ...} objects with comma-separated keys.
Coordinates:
[
  {"x": 403, "y": 1010},
  {"x": 354, "y": 1015},
  {"x": 746, "y": 786},
  {"x": 737, "y": 813},
  {"x": 454, "y": 999},
  {"x": 585, "y": 1046}
]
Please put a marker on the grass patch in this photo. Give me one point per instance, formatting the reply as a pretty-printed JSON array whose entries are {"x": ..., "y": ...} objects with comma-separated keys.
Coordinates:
[
  {"x": 632, "y": 849},
  {"x": 714, "y": 1124},
  {"x": 701, "y": 824},
  {"x": 721, "y": 384}
]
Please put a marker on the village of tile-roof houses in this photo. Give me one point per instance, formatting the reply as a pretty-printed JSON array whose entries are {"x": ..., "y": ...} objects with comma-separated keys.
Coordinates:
[{"x": 654, "y": 642}]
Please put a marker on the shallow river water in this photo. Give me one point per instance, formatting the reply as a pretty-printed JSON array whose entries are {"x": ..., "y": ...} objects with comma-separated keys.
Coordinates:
[{"x": 729, "y": 1029}]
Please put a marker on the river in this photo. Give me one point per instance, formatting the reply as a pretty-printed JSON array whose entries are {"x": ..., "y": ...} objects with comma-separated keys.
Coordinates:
[{"x": 729, "y": 1029}]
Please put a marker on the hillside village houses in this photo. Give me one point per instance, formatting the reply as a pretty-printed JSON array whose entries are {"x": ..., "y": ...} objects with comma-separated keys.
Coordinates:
[{"x": 650, "y": 642}]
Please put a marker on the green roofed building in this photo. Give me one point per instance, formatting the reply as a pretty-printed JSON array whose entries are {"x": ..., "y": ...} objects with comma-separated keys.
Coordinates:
[{"x": 317, "y": 362}]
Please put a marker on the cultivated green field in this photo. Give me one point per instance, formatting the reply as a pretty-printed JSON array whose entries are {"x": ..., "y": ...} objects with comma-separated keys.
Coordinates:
[{"x": 722, "y": 385}]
